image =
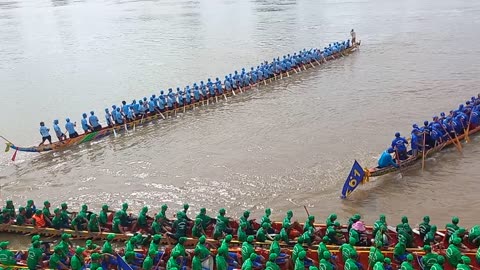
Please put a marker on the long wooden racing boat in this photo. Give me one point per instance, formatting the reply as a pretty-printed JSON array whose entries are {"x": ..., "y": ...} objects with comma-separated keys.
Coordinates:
[
  {"x": 108, "y": 131},
  {"x": 359, "y": 175},
  {"x": 311, "y": 259}
]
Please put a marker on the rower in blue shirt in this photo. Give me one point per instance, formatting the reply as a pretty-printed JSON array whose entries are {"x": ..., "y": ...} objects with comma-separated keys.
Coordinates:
[
  {"x": 151, "y": 106},
  {"x": 85, "y": 126},
  {"x": 399, "y": 145},
  {"x": 135, "y": 106},
  {"x": 196, "y": 94},
  {"x": 108, "y": 118},
  {"x": 161, "y": 103},
  {"x": 169, "y": 102},
  {"x": 124, "y": 108},
  {"x": 417, "y": 139},
  {"x": 58, "y": 131},
  {"x": 141, "y": 109},
  {"x": 180, "y": 100},
  {"x": 386, "y": 159},
  {"x": 118, "y": 117},
  {"x": 188, "y": 96},
  {"x": 45, "y": 132},
  {"x": 70, "y": 127},
  {"x": 93, "y": 119}
]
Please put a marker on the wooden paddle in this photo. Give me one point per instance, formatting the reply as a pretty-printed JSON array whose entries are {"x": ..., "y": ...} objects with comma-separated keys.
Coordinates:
[
  {"x": 423, "y": 152},
  {"x": 467, "y": 137},
  {"x": 450, "y": 136},
  {"x": 158, "y": 110},
  {"x": 456, "y": 137}
]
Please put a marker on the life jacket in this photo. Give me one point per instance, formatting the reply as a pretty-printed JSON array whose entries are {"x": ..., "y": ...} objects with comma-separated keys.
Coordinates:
[{"x": 39, "y": 220}]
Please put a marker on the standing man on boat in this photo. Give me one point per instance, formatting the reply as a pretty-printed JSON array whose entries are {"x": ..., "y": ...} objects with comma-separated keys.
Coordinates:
[
  {"x": 354, "y": 36},
  {"x": 399, "y": 145},
  {"x": 58, "y": 131},
  {"x": 93, "y": 119},
  {"x": 45, "y": 132},
  {"x": 70, "y": 127}
]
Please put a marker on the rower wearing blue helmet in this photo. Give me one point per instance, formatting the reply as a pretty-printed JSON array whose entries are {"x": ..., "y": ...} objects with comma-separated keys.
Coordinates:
[
  {"x": 399, "y": 145},
  {"x": 161, "y": 103},
  {"x": 70, "y": 127},
  {"x": 108, "y": 118},
  {"x": 151, "y": 106},
  {"x": 196, "y": 94},
  {"x": 93, "y": 119},
  {"x": 117, "y": 116},
  {"x": 386, "y": 159},
  {"x": 85, "y": 126},
  {"x": 227, "y": 83},
  {"x": 58, "y": 131},
  {"x": 188, "y": 96},
  {"x": 416, "y": 139}
]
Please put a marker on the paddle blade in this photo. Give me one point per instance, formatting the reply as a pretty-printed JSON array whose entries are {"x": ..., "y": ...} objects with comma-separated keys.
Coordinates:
[
  {"x": 355, "y": 177},
  {"x": 14, "y": 155}
]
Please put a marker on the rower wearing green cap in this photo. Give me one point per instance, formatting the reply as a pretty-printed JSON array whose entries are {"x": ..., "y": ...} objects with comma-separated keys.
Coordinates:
[
  {"x": 7, "y": 257},
  {"x": 375, "y": 255},
  {"x": 424, "y": 227},
  {"x": 335, "y": 234},
  {"x": 180, "y": 248},
  {"x": 451, "y": 228},
  {"x": 94, "y": 224},
  {"x": 281, "y": 257},
  {"x": 322, "y": 247},
  {"x": 185, "y": 210},
  {"x": 325, "y": 263},
  {"x": 9, "y": 209},
  {"x": 477, "y": 256},
  {"x": 381, "y": 237},
  {"x": 65, "y": 244},
  {"x": 379, "y": 265},
  {"x": 206, "y": 220},
  {"x": 300, "y": 261},
  {"x": 204, "y": 254},
  {"x": 223, "y": 225},
  {"x": 348, "y": 250},
  {"x": 244, "y": 219},
  {"x": 400, "y": 250},
  {"x": 103, "y": 217},
  {"x": 266, "y": 219},
  {"x": 55, "y": 261},
  {"x": 453, "y": 252},
  {"x": 287, "y": 221},
  {"x": 30, "y": 208},
  {"x": 172, "y": 261},
  {"x": 439, "y": 264},
  {"x": 117, "y": 226},
  {"x": 231, "y": 257},
  {"x": 35, "y": 256},
  {"x": 247, "y": 248},
  {"x": 248, "y": 262},
  {"x": 148, "y": 262},
  {"x": 220, "y": 259},
  {"x": 474, "y": 236},
  {"x": 404, "y": 230},
  {"x": 46, "y": 210},
  {"x": 197, "y": 229},
  {"x": 142, "y": 221},
  {"x": 331, "y": 219},
  {"x": 382, "y": 221},
  {"x": 351, "y": 264},
  {"x": 80, "y": 222},
  {"x": 464, "y": 263},
  {"x": 429, "y": 238},
  {"x": 408, "y": 264},
  {"x": 262, "y": 233},
  {"x": 297, "y": 249},
  {"x": 429, "y": 259},
  {"x": 180, "y": 227},
  {"x": 271, "y": 263},
  {"x": 78, "y": 261},
  {"x": 91, "y": 247},
  {"x": 309, "y": 224},
  {"x": 461, "y": 234},
  {"x": 65, "y": 215},
  {"x": 242, "y": 232},
  {"x": 387, "y": 264}
]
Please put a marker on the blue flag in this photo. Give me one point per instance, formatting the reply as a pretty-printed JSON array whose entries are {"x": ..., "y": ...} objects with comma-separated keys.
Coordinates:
[
  {"x": 122, "y": 264},
  {"x": 353, "y": 180}
]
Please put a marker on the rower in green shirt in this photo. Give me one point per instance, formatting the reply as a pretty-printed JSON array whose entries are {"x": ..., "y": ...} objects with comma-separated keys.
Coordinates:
[
  {"x": 65, "y": 215},
  {"x": 408, "y": 264},
  {"x": 351, "y": 264},
  {"x": 206, "y": 220},
  {"x": 474, "y": 236},
  {"x": 429, "y": 259},
  {"x": 90, "y": 247},
  {"x": 10, "y": 209},
  {"x": 378, "y": 266},
  {"x": 21, "y": 217},
  {"x": 331, "y": 219},
  {"x": 93, "y": 224},
  {"x": 35, "y": 256},
  {"x": 55, "y": 260},
  {"x": 262, "y": 233},
  {"x": 107, "y": 245},
  {"x": 204, "y": 254},
  {"x": 242, "y": 232},
  {"x": 103, "y": 216},
  {"x": 248, "y": 263},
  {"x": 460, "y": 233},
  {"x": 57, "y": 222},
  {"x": 424, "y": 227},
  {"x": 172, "y": 262},
  {"x": 439, "y": 264},
  {"x": 300, "y": 261},
  {"x": 271, "y": 263},
  {"x": 78, "y": 261},
  {"x": 148, "y": 262},
  {"x": 65, "y": 243},
  {"x": 196, "y": 261},
  {"x": 348, "y": 250},
  {"x": 451, "y": 228},
  {"x": 282, "y": 257},
  {"x": 247, "y": 248},
  {"x": 477, "y": 256},
  {"x": 266, "y": 219},
  {"x": 7, "y": 257},
  {"x": 142, "y": 221},
  {"x": 322, "y": 247},
  {"x": 297, "y": 249},
  {"x": 382, "y": 221},
  {"x": 429, "y": 238},
  {"x": 309, "y": 223},
  {"x": 244, "y": 219},
  {"x": 197, "y": 229},
  {"x": 220, "y": 259},
  {"x": 325, "y": 263},
  {"x": 400, "y": 250},
  {"x": 46, "y": 210},
  {"x": 453, "y": 252},
  {"x": 222, "y": 226},
  {"x": 465, "y": 263},
  {"x": 375, "y": 255}
]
